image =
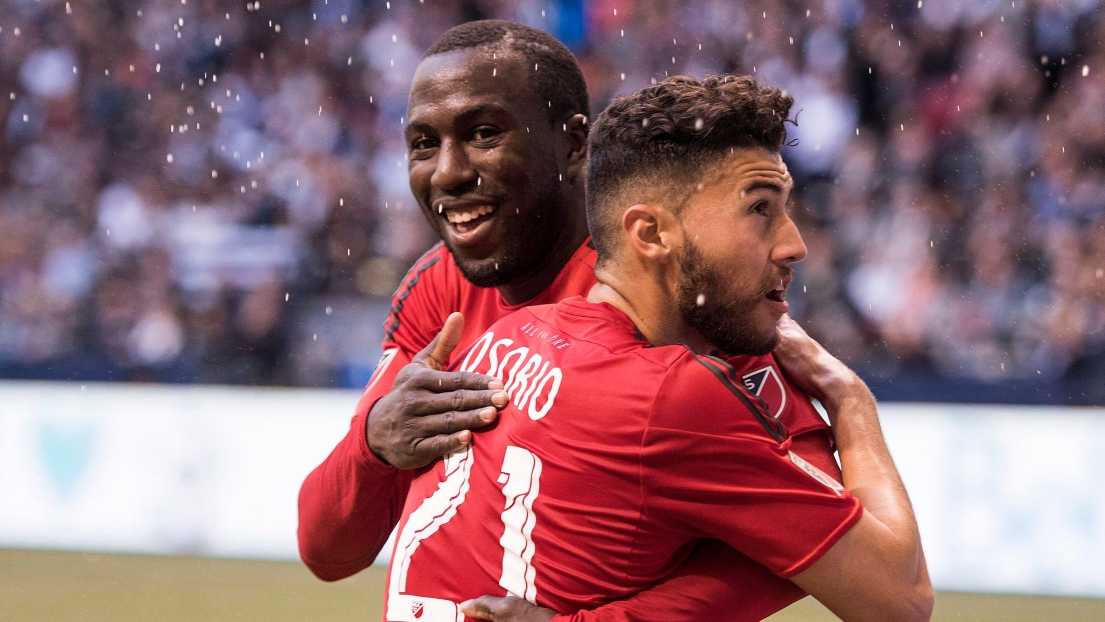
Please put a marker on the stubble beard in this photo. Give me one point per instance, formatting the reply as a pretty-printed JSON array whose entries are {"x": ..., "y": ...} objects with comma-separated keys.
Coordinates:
[
  {"x": 725, "y": 316},
  {"x": 522, "y": 252}
]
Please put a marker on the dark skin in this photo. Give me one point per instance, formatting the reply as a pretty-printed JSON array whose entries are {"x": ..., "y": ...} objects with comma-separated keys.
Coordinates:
[{"x": 501, "y": 183}]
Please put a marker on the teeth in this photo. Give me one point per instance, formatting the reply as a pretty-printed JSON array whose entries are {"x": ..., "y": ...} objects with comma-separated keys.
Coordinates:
[{"x": 457, "y": 217}]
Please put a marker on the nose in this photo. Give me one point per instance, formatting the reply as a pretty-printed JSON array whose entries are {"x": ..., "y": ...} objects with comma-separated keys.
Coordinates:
[
  {"x": 453, "y": 167},
  {"x": 790, "y": 247}
]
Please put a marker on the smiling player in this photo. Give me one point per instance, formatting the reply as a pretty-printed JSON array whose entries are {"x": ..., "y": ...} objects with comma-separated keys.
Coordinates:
[
  {"x": 627, "y": 438},
  {"x": 497, "y": 139}
]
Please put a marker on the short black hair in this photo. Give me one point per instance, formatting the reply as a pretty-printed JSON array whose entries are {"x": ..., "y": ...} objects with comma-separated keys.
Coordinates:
[
  {"x": 558, "y": 78},
  {"x": 657, "y": 144}
]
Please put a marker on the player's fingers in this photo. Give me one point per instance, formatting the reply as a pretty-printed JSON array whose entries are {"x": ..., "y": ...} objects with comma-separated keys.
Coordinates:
[
  {"x": 437, "y": 352},
  {"x": 493, "y": 608},
  {"x": 477, "y": 608},
  {"x": 442, "y": 445},
  {"x": 424, "y": 404},
  {"x": 444, "y": 381},
  {"x": 453, "y": 421}
]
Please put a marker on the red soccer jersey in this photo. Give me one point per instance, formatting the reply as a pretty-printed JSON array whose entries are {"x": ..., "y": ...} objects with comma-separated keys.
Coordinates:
[{"x": 612, "y": 459}]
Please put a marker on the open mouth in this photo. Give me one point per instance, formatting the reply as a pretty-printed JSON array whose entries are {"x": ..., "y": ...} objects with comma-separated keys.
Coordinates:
[
  {"x": 779, "y": 292},
  {"x": 468, "y": 219}
]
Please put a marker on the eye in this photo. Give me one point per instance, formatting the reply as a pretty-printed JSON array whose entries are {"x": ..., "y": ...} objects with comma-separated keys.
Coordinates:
[
  {"x": 420, "y": 144},
  {"x": 760, "y": 207},
  {"x": 485, "y": 133}
]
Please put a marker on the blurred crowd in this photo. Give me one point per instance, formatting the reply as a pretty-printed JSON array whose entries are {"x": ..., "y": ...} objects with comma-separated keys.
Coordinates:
[{"x": 215, "y": 191}]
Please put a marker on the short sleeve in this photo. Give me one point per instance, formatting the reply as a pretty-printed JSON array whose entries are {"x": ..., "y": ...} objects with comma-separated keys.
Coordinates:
[{"x": 713, "y": 467}]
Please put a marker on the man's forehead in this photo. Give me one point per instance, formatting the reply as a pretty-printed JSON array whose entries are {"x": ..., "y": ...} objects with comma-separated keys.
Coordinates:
[
  {"x": 469, "y": 74},
  {"x": 746, "y": 169}
]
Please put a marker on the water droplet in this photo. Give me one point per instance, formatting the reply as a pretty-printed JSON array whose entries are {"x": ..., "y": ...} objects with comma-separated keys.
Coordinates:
[
  {"x": 1085, "y": 70},
  {"x": 169, "y": 158},
  {"x": 329, "y": 310},
  {"x": 698, "y": 124},
  {"x": 701, "y": 300},
  {"x": 286, "y": 296}
]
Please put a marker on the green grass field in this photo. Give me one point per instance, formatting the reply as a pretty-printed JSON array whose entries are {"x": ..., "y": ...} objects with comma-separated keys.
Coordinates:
[{"x": 93, "y": 587}]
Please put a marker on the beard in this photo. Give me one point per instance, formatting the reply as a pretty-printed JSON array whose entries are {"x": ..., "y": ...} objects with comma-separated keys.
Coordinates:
[
  {"x": 724, "y": 317},
  {"x": 519, "y": 256},
  {"x": 523, "y": 252}
]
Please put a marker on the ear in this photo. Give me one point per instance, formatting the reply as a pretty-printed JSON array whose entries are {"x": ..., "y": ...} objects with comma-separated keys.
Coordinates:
[
  {"x": 651, "y": 231},
  {"x": 575, "y": 133}
]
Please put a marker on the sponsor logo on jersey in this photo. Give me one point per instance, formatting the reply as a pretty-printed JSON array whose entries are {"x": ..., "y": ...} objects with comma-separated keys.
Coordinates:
[
  {"x": 816, "y": 473},
  {"x": 766, "y": 384},
  {"x": 529, "y": 380}
]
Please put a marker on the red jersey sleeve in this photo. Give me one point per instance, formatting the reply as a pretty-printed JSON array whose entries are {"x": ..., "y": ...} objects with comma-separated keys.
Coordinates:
[
  {"x": 350, "y": 503},
  {"x": 419, "y": 307},
  {"x": 717, "y": 465},
  {"x": 712, "y": 584}
]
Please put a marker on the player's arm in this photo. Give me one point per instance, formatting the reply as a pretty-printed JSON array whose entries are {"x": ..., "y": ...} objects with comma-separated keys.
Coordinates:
[
  {"x": 411, "y": 413},
  {"x": 875, "y": 571}
]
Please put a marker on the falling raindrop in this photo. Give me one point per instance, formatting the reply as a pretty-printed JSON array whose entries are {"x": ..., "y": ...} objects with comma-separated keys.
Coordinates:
[
  {"x": 286, "y": 296},
  {"x": 701, "y": 300},
  {"x": 1085, "y": 70},
  {"x": 329, "y": 310}
]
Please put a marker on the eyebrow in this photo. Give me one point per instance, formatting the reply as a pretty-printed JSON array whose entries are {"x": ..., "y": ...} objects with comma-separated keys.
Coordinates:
[
  {"x": 765, "y": 185},
  {"x": 468, "y": 114}
]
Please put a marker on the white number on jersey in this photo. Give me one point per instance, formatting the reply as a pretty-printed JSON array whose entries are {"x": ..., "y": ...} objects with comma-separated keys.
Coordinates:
[{"x": 520, "y": 476}]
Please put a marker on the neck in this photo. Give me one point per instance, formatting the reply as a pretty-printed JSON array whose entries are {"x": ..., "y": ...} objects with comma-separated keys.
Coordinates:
[
  {"x": 567, "y": 242},
  {"x": 650, "y": 304}
]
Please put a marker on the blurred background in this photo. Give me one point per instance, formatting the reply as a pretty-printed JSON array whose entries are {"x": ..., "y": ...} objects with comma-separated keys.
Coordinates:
[
  {"x": 196, "y": 194},
  {"x": 213, "y": 191}
]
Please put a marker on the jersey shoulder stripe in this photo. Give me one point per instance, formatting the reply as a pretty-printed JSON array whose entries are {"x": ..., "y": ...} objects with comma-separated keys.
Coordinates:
[
  {"x": 725, "y": 373},
  {"x": 411, "y": 279}
]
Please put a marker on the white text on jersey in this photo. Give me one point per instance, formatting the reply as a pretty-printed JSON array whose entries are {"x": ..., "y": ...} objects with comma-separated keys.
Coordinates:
[{"x": 526, "y": 376}]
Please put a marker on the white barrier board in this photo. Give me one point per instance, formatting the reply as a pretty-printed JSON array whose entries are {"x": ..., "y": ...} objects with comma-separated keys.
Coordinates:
[{"x": 1009, "y": 499}]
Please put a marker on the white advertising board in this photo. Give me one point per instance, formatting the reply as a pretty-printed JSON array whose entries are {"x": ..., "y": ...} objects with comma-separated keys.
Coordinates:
[{"x": 1009, "y": 499}]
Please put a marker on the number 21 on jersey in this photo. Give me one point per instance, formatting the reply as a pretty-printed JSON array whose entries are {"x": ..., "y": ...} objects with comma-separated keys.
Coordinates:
[{"x": 521, "y": 478}]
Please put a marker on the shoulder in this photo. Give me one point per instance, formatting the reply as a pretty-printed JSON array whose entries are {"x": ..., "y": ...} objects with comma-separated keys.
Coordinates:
[
  {"x": 433, "y": 278},
  {"x": 706, "y": 395}
]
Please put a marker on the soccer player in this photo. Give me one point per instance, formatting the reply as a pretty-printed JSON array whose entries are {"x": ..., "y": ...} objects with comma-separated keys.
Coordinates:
[
  {"x": 627, "y": 437},
  {"x": 497, "y": 138}
]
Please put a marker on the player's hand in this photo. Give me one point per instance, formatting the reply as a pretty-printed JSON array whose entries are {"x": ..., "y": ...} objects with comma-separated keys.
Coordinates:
[
  {"x": 505, "y": 609},
  {"x": 430, "y": 413},
  {"x": 809, "y": 365}
]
